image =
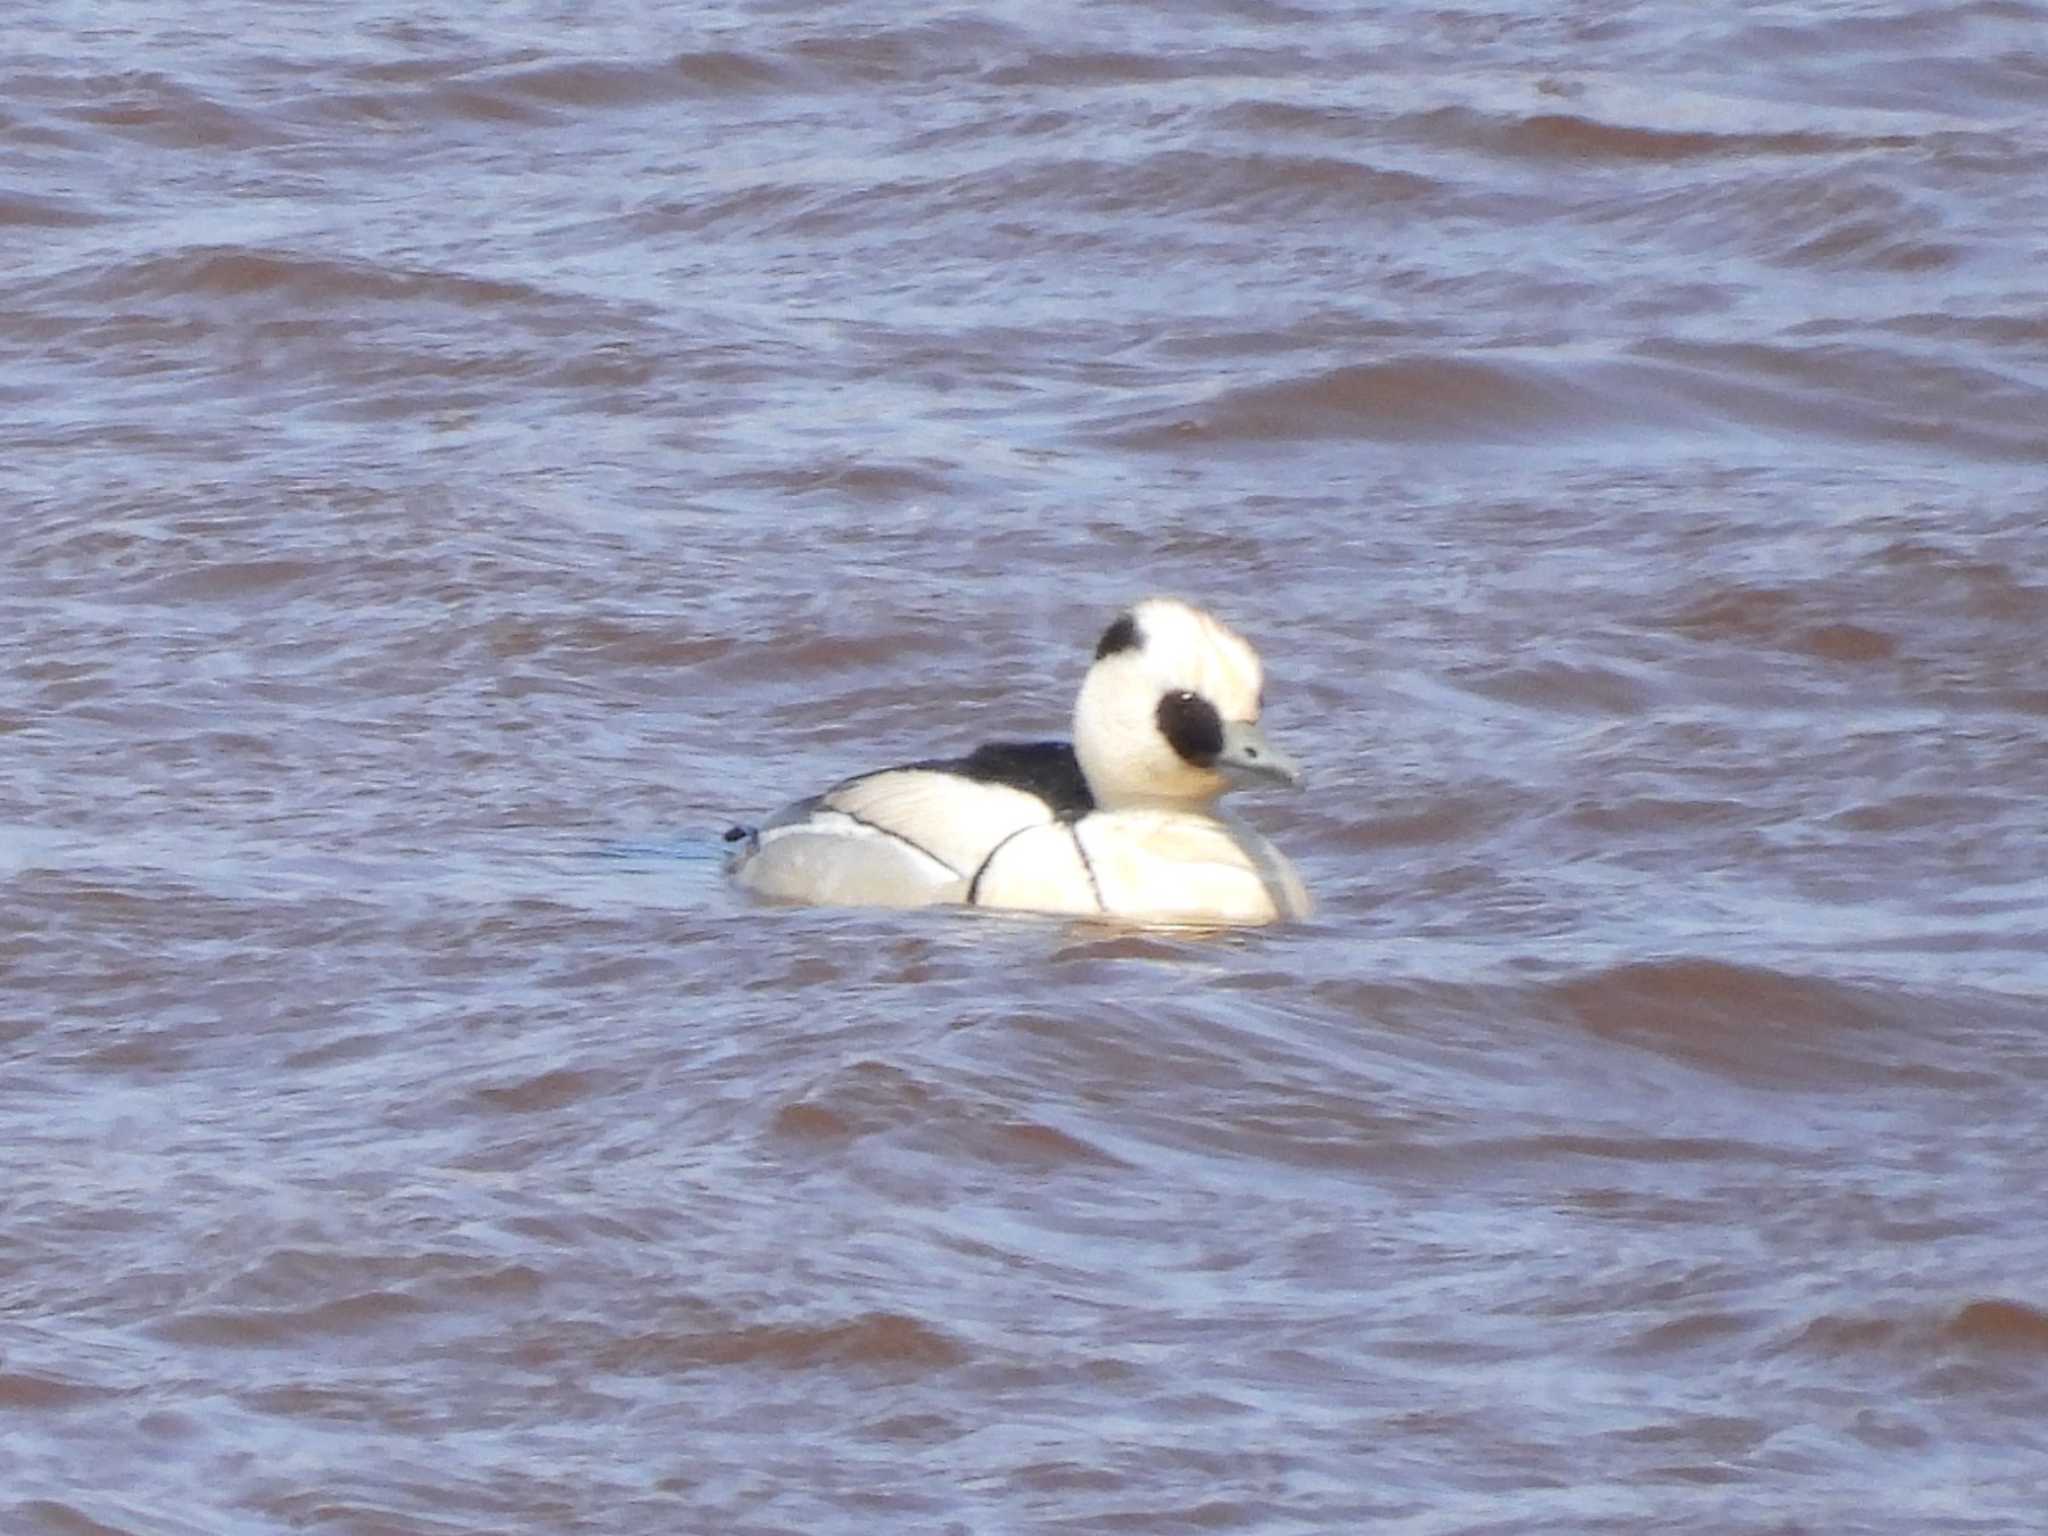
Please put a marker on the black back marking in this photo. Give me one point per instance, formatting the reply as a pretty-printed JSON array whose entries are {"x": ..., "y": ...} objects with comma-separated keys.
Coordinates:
[
  {"x": 1123, "y": 635},
  {"x": 1047, "y": 769},
  {"x": 1191, "y": 727}
]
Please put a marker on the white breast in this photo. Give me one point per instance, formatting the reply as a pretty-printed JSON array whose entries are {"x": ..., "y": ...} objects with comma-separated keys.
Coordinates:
[{"x": 1149, "y": 865}]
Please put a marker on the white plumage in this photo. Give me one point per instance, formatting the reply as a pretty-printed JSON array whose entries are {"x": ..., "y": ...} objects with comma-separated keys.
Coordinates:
[{"x": 1121, "y": 823}]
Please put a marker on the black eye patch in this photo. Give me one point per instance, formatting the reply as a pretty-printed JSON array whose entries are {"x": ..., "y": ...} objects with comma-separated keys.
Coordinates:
[
  {"x": 1123, "y": 635},
  {"x": 1191, "y": 727}
]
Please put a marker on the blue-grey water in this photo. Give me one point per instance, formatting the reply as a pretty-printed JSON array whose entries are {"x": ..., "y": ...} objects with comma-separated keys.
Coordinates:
[{"x": 455, "y": 460}]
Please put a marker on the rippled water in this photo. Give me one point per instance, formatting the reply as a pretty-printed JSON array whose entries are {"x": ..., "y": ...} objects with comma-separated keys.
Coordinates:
[{"x": 453, "y": 463}]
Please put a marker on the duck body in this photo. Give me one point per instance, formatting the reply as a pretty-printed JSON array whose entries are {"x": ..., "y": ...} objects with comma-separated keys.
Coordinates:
[
  {"x": 915, "y": 835},
  {"x": 1148, "y": 865},
  {"x": 1120, "y": 823}
]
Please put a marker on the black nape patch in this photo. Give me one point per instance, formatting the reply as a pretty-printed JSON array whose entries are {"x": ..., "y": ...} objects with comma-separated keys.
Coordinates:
[
  {"x": 1191, "y": 727},
  {"x": 1123, "y": 635},
  {"x": 1047, "y": 769}
]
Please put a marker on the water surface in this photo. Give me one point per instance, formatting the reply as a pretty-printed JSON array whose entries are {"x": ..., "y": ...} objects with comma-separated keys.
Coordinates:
[{"x": 451, "y": 466}]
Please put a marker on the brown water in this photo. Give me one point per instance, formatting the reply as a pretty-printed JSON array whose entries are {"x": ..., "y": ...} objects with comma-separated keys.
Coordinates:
[{"x": 449, "y": 469}]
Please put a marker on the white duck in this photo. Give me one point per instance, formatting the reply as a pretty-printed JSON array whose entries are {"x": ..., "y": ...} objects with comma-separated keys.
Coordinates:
[{"x": 1122, "y": 823}]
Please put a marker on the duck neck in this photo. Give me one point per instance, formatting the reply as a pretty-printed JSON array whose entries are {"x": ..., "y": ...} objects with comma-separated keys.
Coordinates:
[{"x": 1114, "y": 796}]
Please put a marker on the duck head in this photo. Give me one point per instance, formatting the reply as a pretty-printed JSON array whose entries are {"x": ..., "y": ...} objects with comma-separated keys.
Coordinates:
[{"x": 1169, "y": 713}]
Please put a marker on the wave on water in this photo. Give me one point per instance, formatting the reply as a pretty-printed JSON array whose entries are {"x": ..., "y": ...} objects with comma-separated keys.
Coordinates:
[
  {"x": 457, "y": 461},
  {"x": 1860, "y": 394}
]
